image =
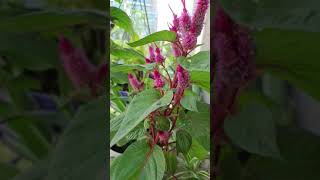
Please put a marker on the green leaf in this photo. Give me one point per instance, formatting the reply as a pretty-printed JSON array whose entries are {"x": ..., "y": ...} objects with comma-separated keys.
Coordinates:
[
  {"x": 231, "y": 167},
  {"x": 286, "y": 63},
  {"x": 129, "y": 67},
  {"x": 29, "y": 50},
  {"x": 189, "y": 100},
  {"x": 201, "y": 78},
  {"x": 119, "y": 77},
  {"x": 162, "y": 123},
  {"x": 139, "y": 162},
  {"x": 300, "y": 158},
  {"x": 115, "y": 124},
  {"x": 198, "y": 151},
  {"x": 287, "y": 14},
  {"x": 198, "y": 123},
  {"x": 47, "y": 20},
  {"x": 197, "y": 62},
  {"x": 171, "y": 161},
  {"x": 139, "y": 108},
  {"x": 30, "y": 136},
  {"x": 7, "y": 172},
  {"x": 164, "y": 35},
  {"x": 127, "y": 54},
  {"x": 253, "y": 129},
  {"x": 37, "y": 172},
  {"x": 121, "y": 19},
  {"x": 80, "y": 152},
  {"x": 184, "y": 141}
]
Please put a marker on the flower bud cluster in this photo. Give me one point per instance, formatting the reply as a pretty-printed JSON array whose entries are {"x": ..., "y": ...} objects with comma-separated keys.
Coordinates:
[
  {"x": 78, "y": 68},
  {"x": 188, "y": 28}
]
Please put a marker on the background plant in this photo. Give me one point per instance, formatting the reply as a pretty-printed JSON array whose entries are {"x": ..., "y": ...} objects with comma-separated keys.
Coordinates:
[
  {"x": 52, "y": 120},
  {"x": 256, "y": 136},
  {"x": 160, "y": 120}
]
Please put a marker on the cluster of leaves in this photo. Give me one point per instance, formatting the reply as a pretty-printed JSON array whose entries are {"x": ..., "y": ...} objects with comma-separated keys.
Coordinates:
[
  {"x": 138, "y": 128},
  {"x": 52, "y": 129},
  {"x": 264, "y": 142}
]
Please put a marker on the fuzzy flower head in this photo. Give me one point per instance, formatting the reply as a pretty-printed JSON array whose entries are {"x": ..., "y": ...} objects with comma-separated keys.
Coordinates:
[
  {"x": 184, "y": 19},
  {"x": 189, "y": 41},
  {"x": 182, "y": 77},
  {"x": 233, "y": 50},
  {"x": 148, "y": 61},
  {"x": 76, "y": 64},
  {"x": 135, "y": 84},
  {"x": 152, "y": 56},
  {"x": 199, "y": 15},
  {"x": 164, "y": 136},
  {"x": 176, "y": 51},
  {"x": 158, "y": 81},
  {"x": 175, "y": 23},
  {"x": 159, "y": 58},
  {"x": 181, "y": 82}
]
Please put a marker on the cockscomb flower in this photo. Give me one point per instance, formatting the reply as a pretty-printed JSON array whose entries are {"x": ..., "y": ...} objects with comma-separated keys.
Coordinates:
[
  {"x": 189, "y": 41},
  {"x": 152, "y": 56},
  {"x": 176, "y": 51},
  {"x": 135, "y": 84},
  {"x": 164, "y": 137},
  {"x": 148, "y": 61},
  {"x": 181, "y": 81},
  {"x": 76, "y": 64},
  {"x": 199, "y": 15},
  {"x": 233, "y": 51},
  {"x": 175, "y": 23},
  {"x": 181, "y": 76},
  {"x": 158, "y": 80},
  {"x": 184, "y": 19},
  {"x": 101, "y": 73},
  {"x": 159, "y": 58}
]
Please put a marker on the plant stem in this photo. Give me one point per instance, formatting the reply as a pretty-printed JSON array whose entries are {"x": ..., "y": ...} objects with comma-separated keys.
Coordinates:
[{"x": 170, "y": 81}]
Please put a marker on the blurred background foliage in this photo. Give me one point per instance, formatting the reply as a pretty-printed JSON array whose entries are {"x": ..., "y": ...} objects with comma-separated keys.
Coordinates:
[{"x": 48, "y": 128}]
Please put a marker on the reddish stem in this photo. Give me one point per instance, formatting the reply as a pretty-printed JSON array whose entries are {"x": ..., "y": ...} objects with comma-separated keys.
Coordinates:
[{"x": 169, "y": 79}]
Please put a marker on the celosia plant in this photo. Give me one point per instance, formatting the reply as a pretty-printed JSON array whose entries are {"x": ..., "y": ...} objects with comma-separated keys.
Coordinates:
[
  {"x": 254, "y": 132},
  {"x": 172, "y": 119}
]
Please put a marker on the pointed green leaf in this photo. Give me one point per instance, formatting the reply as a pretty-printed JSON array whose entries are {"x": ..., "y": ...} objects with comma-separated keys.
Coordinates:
[
  {"x": 81, "y": 150},
  {"x": 164, "y": 35},
  {"x": 140, "y": 107},
  {"x": 253, "y": 129},
  {"x": 189, "y": 100},
  {"x": 121, "y": 19},
  {"x": 201, "y": 78},
  {"x": 184, "y": 141},
  {"x": 139, "y": 161}
]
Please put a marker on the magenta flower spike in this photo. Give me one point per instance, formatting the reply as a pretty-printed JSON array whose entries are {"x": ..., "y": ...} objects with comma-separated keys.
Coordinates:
[
  {"x": 184, "y": 19},
  {"x": 189, "y": 41},
  {"x": 148, "y": 61},
  {"x": 152, "y": 56},
  {"x": 181, "y": 81},
  {"x": 234, "y": 51},
  {"x": 199, "y": 15},
  {"x": 102, "y": 73},
  {"x": 158, "y": 81},
  {"x": 159, "y": 58},
  {"x": 76, "y": 64},
  {"x": 176, "y": 50},
  {"x": 175, "y": 23},
  {"x": 135, "y": 84},
  {"x": 164, "y": 136}
]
